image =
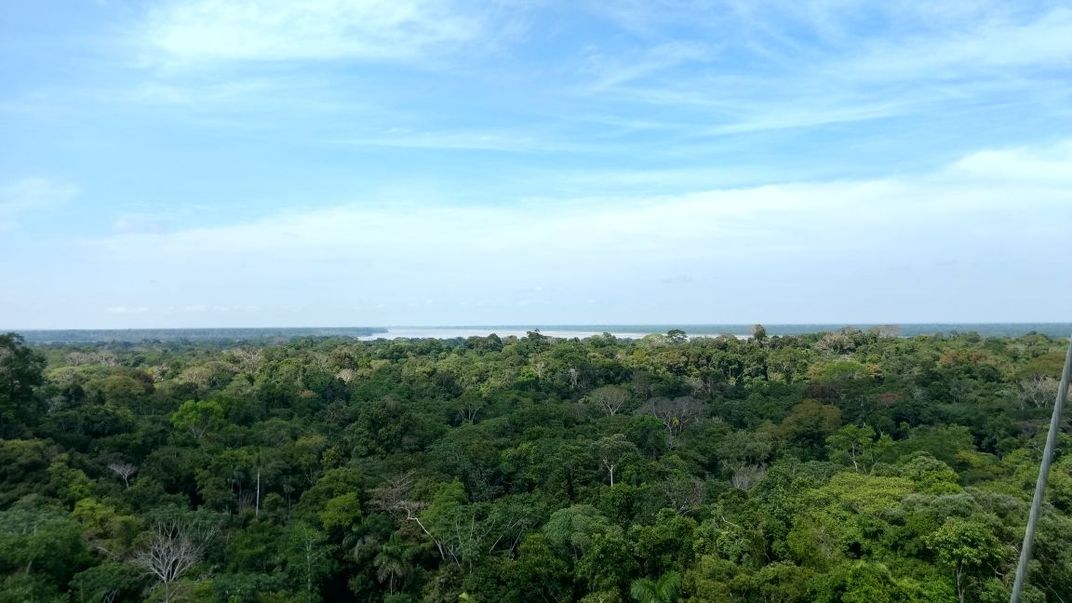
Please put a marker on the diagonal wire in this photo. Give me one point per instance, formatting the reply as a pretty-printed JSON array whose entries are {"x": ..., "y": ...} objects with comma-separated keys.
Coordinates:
[{"x": 1040, "y": 485}]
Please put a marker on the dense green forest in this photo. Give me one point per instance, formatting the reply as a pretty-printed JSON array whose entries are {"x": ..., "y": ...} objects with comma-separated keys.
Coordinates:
[{"x": 843, "y": 466}]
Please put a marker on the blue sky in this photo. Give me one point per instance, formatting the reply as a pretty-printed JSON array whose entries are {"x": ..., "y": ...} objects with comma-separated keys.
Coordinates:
[{"x": 383, "y": 162}]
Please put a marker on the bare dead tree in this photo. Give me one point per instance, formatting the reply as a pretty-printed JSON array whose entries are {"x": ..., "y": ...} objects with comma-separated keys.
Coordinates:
[
  {"x": 685, "y": 494},
  {"x": 175, "y": 547},
  {"x": 675, "y": 413},
  {"x": 157, "y": 373},
  {"x": 395, "y": 497},
  {"x": 88, "y": 358},
  {"x": 574, "y": 377},
  {"x": 346, "y": 375},
  {"x": 610, "y": 398},
  {"x": 538, "y": 369},
  {"x": 1039, "y": 391},
  {"x": 888, "y": 330},
  {"x": 123, "y": 470},
  {"x": 247, "y": 361},
  {"x": 838, "y": 342},
  {"x": 747, "y": 476}
]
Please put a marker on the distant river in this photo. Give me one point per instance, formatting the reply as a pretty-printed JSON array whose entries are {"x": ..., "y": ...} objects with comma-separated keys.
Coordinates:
[
  {"x": 452, "y": 332},
  {"x": 738, "y": 330}
]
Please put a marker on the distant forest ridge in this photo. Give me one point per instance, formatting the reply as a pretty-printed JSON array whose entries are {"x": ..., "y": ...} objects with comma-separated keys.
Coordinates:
[{"x": 225, "y": 335}]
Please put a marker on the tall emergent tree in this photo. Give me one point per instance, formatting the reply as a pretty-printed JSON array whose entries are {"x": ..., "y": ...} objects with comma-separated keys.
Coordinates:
[{"x": 21, "y": 371}]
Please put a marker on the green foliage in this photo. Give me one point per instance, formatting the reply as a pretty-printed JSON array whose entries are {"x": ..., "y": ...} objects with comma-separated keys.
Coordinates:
[
  {"x": 807, "y": 426},
  {"x": 857, "y": 446},
  {"x": 663, "y": 590},
  {"x": 198, "y": 417},
  {"x": 111, "y": 580},
  {"x": 42, "y": 542},
  {"x": 843, "y": 466},
  {"x": 21, "y": 370}
]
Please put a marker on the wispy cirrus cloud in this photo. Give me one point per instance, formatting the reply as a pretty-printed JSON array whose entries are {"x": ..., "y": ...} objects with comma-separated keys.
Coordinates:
[
  {"x": 30, "y": 195},
  {"x": 1041, "y": 41},
  {"x": 211, "y": 31},
  {"x": 613, "y": 70},
  {"x": 811, "y": 65}
]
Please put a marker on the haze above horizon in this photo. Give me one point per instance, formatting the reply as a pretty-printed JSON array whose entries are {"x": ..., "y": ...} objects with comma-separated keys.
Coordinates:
[{"x": 189, "y": 163}]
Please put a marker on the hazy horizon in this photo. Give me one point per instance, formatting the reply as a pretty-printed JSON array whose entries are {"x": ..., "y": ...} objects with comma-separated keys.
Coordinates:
[
  {"x": 536, "y": 325},
  {"x": 744, "y": 326},
  {"x": 636, "y": 331}
]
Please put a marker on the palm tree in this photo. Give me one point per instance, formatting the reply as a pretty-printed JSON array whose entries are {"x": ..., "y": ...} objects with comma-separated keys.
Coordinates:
[
  {"x": 392, "y": 562},
  {"x": 663, "y": 590}
]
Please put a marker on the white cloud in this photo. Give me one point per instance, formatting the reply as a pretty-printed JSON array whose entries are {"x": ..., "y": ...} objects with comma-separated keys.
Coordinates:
[
  {"x": 139, "y": 223},
  {"x": 30, "y": 195},
  {"x": 1050, "y": 164},
  {"x": 798, "y": 234},
  {"x": 195, "y": 31},
  {"x": 126, "y": 309}
]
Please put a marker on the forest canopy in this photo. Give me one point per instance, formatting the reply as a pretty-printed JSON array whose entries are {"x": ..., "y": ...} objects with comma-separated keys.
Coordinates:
[{"x": 840, "y": 466}]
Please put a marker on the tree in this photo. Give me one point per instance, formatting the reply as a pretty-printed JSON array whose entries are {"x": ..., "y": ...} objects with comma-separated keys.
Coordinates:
[
  {"x": 393, "y": 562},
  {"x": 609, "y": 398},
  {"x": 611, "y": 450},
  {"x": 808, "y": 424},
  {"x": 675, "y": 413},
  {"x": 21, "y": 370},
  {"x": 542, "y": 572},
  {"x": 573, "y": 530},
  {"x": 469, "y": 406},
  {"x": 197, "y": 416},
  {"x": 888, "y": 330},
  {"x": 676, "y": 337},
  {"x": 307, "y": 557},
  {"x": 124, "y": 471},
  {"x": 663, "y": 590},
  {"x": 174, "y": 547},
  {"x": 608, "y": 563},
  {"x": 1039, "y": 391},
  {"x": 41, "y": 543},
  {"x": 864, "y": 582},
  {"x": 789, "y": 362},
  {"x": 108, "y": 582},
  {"x": 666, "y": 543},
  {"x": 759, "y": 333},
  {"x": 574, "y": 377},
  {"x": 854, "y": 445},
  {"x": 965, "y": 545},
  {"x": 746, "y": 476},
  {"x": 446, "y": 521}
]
